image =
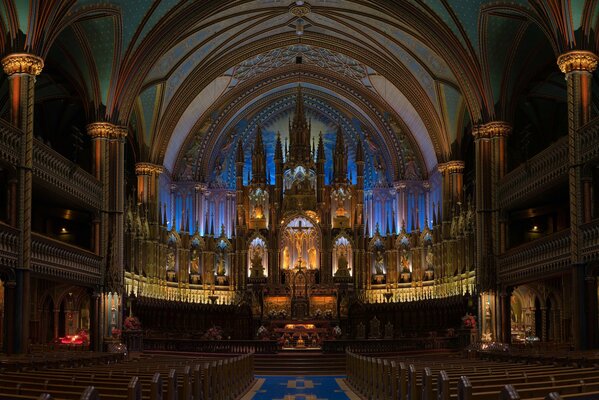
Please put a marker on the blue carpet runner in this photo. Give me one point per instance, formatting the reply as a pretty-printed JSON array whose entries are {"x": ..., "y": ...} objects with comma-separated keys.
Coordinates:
[{"x": 300, "y": 388}]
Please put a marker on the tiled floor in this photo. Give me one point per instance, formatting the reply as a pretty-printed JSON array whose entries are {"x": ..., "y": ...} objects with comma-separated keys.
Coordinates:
[{"x": 300, "y": 388}]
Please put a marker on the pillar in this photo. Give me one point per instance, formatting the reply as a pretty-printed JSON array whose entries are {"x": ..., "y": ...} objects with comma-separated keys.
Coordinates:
[
  {"x": 12, "y": 202},
  {"x": 114, "y": 281},
  {"x": 9, "y": 325},
  {"x": 578, "y": 67},
  {"x": 22, "y": 70},
  {"x": 147, "y": 187},
  {"x": 489, "y": 144}
]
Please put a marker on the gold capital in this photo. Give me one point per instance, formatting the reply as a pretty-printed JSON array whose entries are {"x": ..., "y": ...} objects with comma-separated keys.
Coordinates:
[
  {"x": 22, "y": 63},
  {"x": 492, "y": 129},
  {"x": 451, "y": 167},
  {"x": 145, "y": 168},
  {"x": 100, "y": 130},
  {"x": 120, "y": 132},
  {"x": 577, "y": 60}
]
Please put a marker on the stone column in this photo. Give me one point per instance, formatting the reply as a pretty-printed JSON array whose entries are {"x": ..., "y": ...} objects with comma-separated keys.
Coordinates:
[
  {"x": 9, "y": 325},
  {"x": 22, "y": 70},
  {"x": 100, "y": 133},
  {"x": 117, "y": 209},
  {"x": 13, "y": 208},
  {"x": 578, "y": 66},
  {"x": 147, "y": 188},
  {"x": 490, "y": 143}
]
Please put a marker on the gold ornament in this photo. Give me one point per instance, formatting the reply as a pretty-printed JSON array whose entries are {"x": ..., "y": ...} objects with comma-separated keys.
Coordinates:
[
  {"x": 22, "y": 63},
  {"x": 577, "y": 60}
]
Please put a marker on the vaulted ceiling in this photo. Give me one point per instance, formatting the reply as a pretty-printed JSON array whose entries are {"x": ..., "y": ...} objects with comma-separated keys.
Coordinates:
[{"x": 407, "y": 76}]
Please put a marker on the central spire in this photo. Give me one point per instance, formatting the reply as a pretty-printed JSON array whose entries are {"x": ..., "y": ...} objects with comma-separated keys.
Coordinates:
[{"x": 299, "y": 132}]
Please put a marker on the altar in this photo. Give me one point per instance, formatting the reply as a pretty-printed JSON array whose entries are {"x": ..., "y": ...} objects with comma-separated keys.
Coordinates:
[{"x": 301, "y": 336}]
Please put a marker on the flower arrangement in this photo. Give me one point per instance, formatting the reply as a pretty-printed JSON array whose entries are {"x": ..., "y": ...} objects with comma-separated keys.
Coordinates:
[
  {"x": 116, "y": 333},
  {"x": 272, "y": 314},
  {"x": 132, "y": 324},
  {"x": 328, "y": 314},
  {"x": 318, "y": 313},
  {"x": 283, "y": 314},
  {"x": 469, "y": 321},
  {"x": 214, "y": 333},
  {"x": 337, "y": 331}
]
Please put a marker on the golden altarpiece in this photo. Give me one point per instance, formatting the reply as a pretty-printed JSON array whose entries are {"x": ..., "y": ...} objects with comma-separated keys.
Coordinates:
[{"x": 300, "y": 250}]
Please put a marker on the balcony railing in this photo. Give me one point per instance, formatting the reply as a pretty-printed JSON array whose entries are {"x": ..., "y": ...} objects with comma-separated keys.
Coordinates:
[
  {"x": 52, "y": 258},
  {"x": 52, "y": 168},
  {"x": 547, "y": 168},
  {"x": 538, "y": 258},
  {"x": 590, "y": 241},
  {"x": 543, "y": 170}
]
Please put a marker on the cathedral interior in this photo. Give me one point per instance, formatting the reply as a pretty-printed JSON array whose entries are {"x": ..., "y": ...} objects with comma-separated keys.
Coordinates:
[{"x": 300, "y": 173}]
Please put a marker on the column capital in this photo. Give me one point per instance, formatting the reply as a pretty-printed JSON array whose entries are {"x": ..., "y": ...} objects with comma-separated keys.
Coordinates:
[
  {"x": 577, "y": 61},
  {"x": 22, "y": 63},
  {"x": 146, "y": 168},
  {"x": 452, "y": 167},
  {"x": 100, "y": 130},
  {"x": 120, "y": 132},
  {"x": 492, "y": 129}
]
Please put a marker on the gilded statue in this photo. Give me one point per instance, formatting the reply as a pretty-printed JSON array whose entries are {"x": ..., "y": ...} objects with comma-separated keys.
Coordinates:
[
  {"x": 257, "y": 270},
  {"x": 405, "y": 263},
  {"x": 286, "y": 258},
  {"x": 170, "y": 261},
  {"x": 379, "y": 263},
  {"x": 220, "y": 268},
  {"x": 342, "y": 266},
  {"x": 312, "y": 258}
]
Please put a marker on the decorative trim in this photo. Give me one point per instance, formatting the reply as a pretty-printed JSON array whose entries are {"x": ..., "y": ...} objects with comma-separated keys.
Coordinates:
[
  {"x": 492, "y": 129},
  {"x": 22, "y": 63},
  {"x": 452, "y": 167},
  {"x": 145, "y": 168},
  {"x": 299, "y": 9},
  {"x": 577, "y": 61},
  {"x": 100, "y": 130}
]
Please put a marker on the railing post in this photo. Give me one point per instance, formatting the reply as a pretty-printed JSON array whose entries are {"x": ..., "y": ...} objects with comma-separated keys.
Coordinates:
[
  {"x": 156, "y": 387},
  {"x": 412, "y": 389},
  {"x": 197, "y": 382},
  {"x": 171, "y": 391},
  {"x": 90, "y": 393},
  {"x": 134, "y": 389},
  {"x": 464, "y": 388},
  {"x": 187, "y": 383},
  {"x": 442, "y": 386},
  {"x": 427, "y": 384},
  {"x": 509, "y": 393},
  {"x": 403, "y": 381}
]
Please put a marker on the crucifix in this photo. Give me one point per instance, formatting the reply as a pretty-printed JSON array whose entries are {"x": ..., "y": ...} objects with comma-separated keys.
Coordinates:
[{"x": 300, "y": 233}]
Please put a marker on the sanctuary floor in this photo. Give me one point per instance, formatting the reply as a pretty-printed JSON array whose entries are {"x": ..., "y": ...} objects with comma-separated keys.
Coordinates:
[{"x": 300, "y": 388}]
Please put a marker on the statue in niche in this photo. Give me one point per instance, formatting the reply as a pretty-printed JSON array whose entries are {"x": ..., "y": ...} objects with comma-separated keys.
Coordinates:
[
  {"x": 312, "y": 258},
  {"x": 257, "y": 270},
  {"x": 405, "y": 263},
  {"x": 170, "y": 261},
  {"x": 379, "y": 263},
  {"x": 220, "y": 268},
  {"x": 195, "y": 262},
  {"x": 361, "y": 331},
  {"x": 258, "y": 211},
  {"x": 286, "y": 258},
  {"x": 342, "y": 266}
]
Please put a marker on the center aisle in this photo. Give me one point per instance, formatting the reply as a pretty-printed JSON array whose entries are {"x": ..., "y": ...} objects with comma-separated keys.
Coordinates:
[{"x": 300, "y": 388}]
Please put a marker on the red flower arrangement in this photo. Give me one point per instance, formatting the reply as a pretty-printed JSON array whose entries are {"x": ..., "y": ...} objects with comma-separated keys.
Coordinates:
[
  {"x": 469, "y": 321},
  {"x": 132, "y": 324}
]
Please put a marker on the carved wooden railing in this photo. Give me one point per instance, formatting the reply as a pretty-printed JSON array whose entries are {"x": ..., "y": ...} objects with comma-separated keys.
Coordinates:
[
  {"x": 211, "y": 346},
  {"x": 589, "y": 140},
  {"x": 590, "y": 240},
  {"x": 543, "y": 170},
  {"x": 52, "y": 258},
  {"x": 548, "y": 167},
  {"x": 538, "y": 258},
  {"x": 389, "y": 345},
  {"x": 52, "y": 168}
]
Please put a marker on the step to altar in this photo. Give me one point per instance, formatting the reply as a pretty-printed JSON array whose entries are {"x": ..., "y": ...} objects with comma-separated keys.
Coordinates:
[{"x": 299, "y": 362}]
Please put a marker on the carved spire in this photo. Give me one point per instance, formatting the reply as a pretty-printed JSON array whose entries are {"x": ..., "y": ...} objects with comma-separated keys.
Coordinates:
[
  {"x": 299, "y": 132},
  {"x": 278, "y": 148},
  {"x": 340, "y": 158},
  {"x": 320, "y": 151},
  {"x": 259, "y": 160}
]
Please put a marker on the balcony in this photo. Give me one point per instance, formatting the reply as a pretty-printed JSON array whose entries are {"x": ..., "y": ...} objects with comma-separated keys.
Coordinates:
[
  {"x": 51, "y": 258},
  {"x": 544, "y": 170},
  {"x": 539, "y": 258},
  {"x": 548, "y": 168},
  {"x": 53, "y": 170}
]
